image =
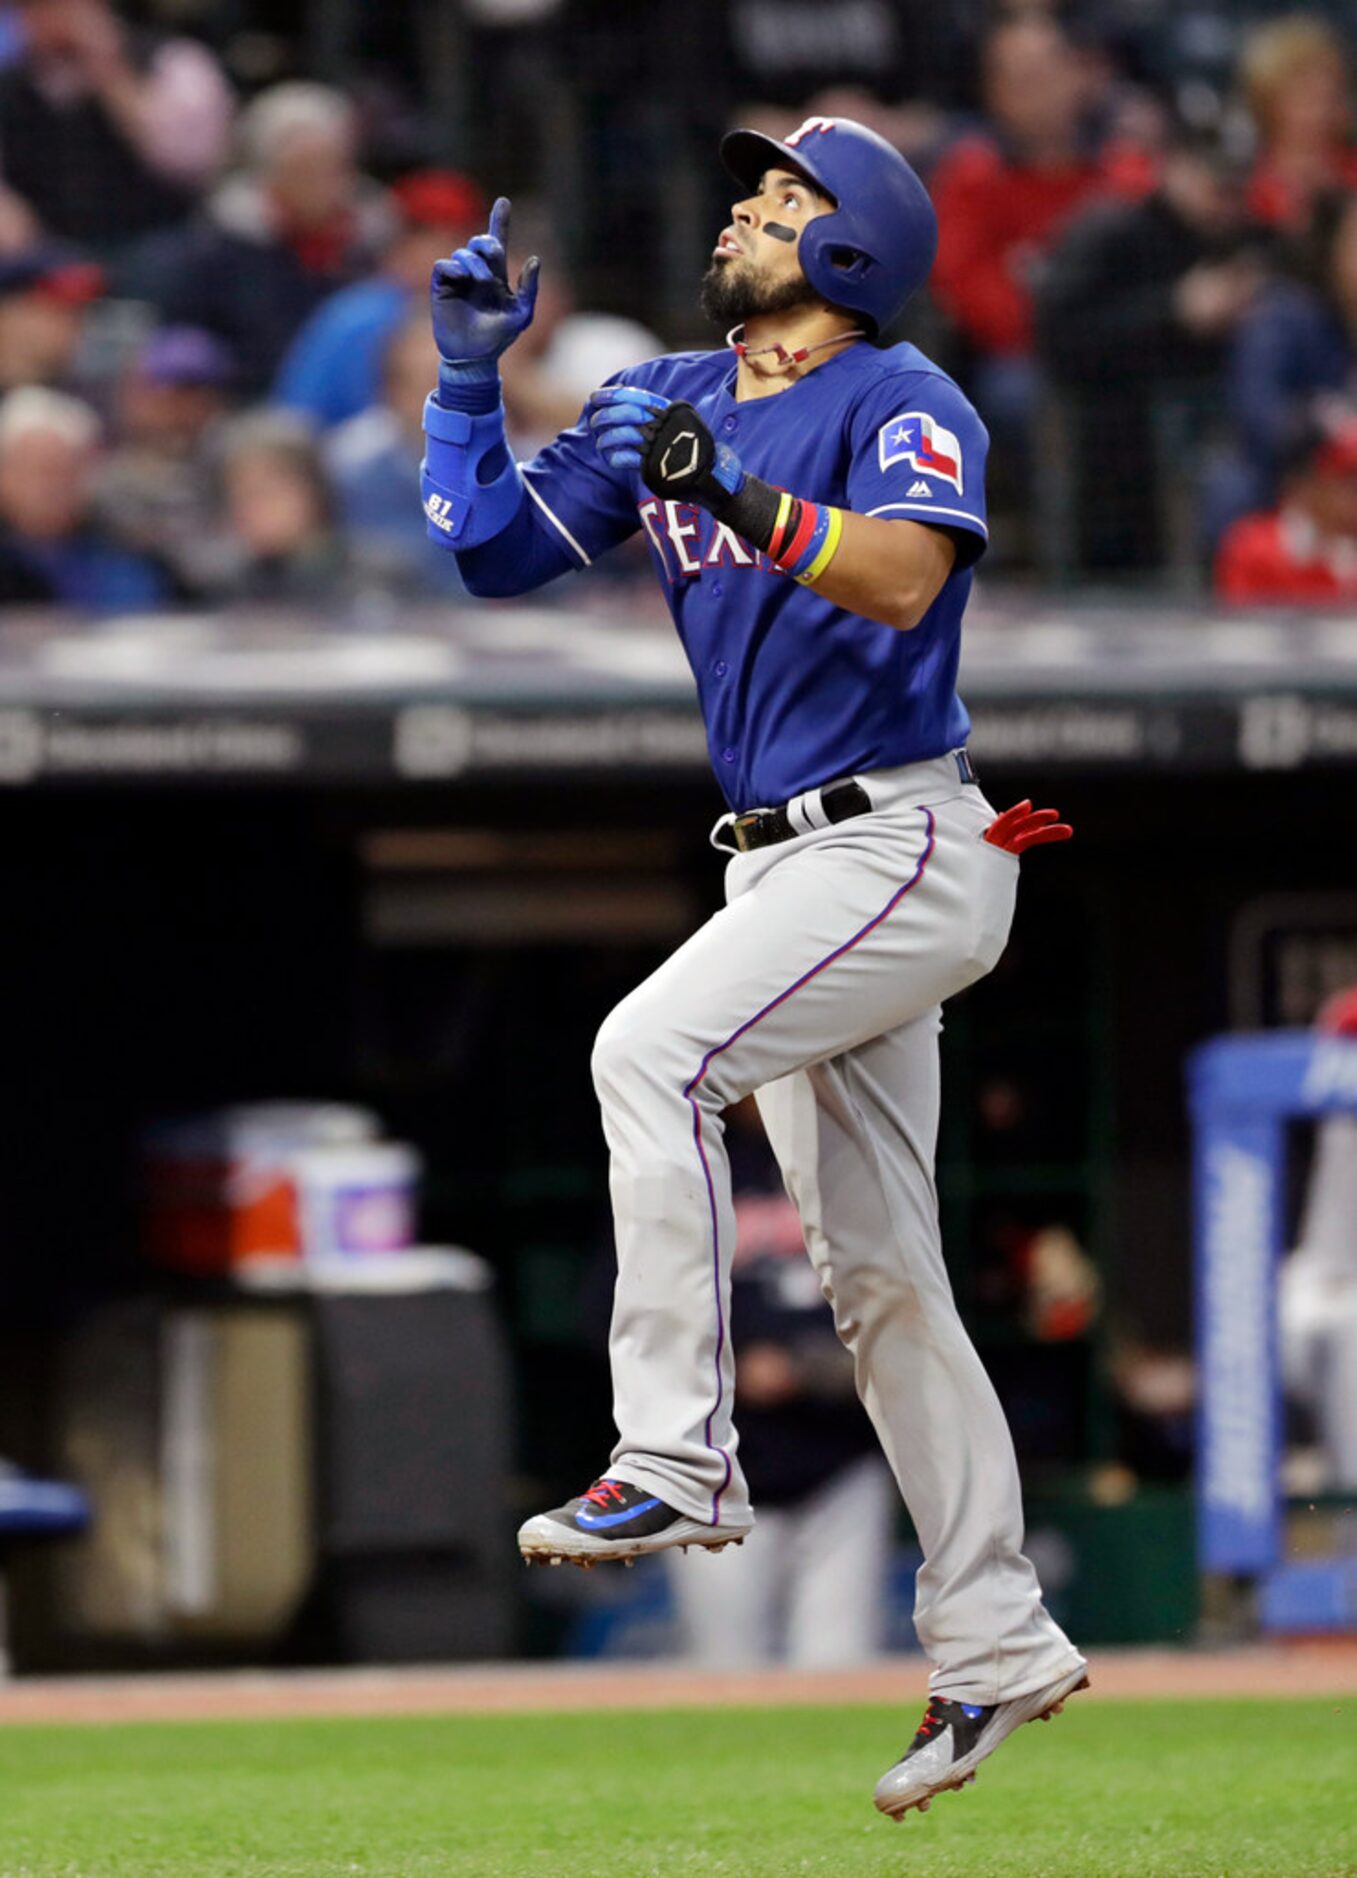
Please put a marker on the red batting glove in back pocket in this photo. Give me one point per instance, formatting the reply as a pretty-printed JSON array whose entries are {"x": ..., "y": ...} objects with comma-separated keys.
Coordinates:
[{"x": 1023, "y": 827}]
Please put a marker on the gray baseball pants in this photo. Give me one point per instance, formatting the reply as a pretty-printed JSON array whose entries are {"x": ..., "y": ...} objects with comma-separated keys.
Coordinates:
[{"x": 819, "y": 985}]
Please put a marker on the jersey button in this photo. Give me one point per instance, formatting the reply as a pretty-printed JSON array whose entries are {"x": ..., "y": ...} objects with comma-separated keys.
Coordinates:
[
  {"x": 728, "y": 755},
  {"x": 716, "y": 591},
  {"x": 720, "y": 668},
  {"x": 730, "y": 423}
]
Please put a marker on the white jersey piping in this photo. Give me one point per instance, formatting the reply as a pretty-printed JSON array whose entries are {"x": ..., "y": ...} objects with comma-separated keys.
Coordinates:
[
  {"x": 927, "y": 508},
  {"x": 556, "y": 522}
]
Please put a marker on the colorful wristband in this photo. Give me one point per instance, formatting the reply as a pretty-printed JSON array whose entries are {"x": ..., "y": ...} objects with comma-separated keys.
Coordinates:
[
  {"x": 805, "y": 537},
  {"x": 777, "y": 541},
  {"x": 824, "y": 547},
  {"x": 800, "y": 537}
]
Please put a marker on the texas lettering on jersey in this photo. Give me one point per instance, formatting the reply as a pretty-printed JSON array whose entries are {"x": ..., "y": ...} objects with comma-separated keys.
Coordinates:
[
  {"x": 686, "y": 539},
  {"x": 779, "y": 667}
]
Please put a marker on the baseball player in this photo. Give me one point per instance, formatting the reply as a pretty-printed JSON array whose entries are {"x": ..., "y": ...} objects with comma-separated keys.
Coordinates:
[{"x": 814, "y": 507}]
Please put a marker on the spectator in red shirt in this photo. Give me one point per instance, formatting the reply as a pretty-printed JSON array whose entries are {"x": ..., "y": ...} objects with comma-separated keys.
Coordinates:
[
  {"x": 1296, "y": 82},
  {"x": 1305, "y": 550},
  {"x": 1004, "y": 196}
]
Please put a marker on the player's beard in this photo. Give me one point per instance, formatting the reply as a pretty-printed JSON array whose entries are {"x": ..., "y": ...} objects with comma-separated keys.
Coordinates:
[{"x": 735, "y": 291}]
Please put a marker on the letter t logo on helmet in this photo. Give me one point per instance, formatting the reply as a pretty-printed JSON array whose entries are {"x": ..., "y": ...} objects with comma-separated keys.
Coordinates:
[
  {"x": 811, "y": 124},
  {"x": 876, "y": 246}
]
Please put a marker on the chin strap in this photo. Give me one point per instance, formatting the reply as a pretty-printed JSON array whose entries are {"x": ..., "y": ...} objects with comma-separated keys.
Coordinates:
[{"x": 783, "y": 356}]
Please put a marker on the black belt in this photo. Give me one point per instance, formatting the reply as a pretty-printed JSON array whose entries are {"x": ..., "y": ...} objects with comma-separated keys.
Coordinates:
[
  {"x": 839, "y": 802},
  {"x": 760, "y": 828}
]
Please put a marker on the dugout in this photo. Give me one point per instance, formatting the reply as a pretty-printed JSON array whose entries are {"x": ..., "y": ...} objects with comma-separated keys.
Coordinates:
[
  {"x": 1245, "y": 1091},
  {"x": 417, "y": 869}
]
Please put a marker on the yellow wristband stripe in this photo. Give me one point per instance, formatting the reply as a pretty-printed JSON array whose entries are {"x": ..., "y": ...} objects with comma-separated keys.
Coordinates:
[
  {"x": 784, "y": 509},
  {"x": 828, "y": 549}
]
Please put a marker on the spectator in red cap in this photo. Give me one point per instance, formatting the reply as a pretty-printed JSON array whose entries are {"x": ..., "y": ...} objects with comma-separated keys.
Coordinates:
[
  {"x": 333, "y": 368},
  {"x": 1338, "y": 1018},
  {"x": 44, "y": 294},
  {"x": 1305, "y": 550}
]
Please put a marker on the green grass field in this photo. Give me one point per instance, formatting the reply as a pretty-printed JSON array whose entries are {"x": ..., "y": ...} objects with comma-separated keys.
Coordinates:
[{"x": 1110, "y": 1790}]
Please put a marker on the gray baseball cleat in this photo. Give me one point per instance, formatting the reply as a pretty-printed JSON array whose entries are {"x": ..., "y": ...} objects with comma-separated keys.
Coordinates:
[
  {"x": 954, "y": 1737},
  {"x": 615, "y": 1520}
]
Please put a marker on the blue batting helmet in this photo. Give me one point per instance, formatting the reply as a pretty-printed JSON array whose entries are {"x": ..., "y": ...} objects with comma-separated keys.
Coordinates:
[{"x": 877, "y": 246}]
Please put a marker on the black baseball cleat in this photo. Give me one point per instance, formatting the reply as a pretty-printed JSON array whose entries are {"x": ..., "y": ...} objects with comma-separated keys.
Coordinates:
[
  {"x": 615, "y": 1520},
  {"x": 954, "y": 1737}
]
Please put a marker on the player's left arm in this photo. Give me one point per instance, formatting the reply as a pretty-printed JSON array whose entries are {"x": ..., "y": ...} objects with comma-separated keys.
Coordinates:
[
  {"x": 879, "y": 566},
  {"x": 887, "y": 570}
]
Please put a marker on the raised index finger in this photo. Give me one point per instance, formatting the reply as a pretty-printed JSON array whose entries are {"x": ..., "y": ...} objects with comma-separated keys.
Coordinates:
[{"x": 499, "y": 221}]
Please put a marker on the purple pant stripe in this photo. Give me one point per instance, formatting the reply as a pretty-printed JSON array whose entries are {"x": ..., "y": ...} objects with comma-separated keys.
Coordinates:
[{"x": 716, "y": 1051}]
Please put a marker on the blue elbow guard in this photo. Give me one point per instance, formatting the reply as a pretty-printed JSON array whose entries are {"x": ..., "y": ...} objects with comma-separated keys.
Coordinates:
[{"x": 468, "y": 482}]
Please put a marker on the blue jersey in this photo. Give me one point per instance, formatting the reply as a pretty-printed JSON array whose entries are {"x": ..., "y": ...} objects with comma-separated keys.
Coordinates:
[{"x": 794, "y": 690}]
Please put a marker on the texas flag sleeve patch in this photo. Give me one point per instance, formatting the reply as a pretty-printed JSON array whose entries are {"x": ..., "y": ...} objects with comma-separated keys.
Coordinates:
[{"x": 926, "y": 445}]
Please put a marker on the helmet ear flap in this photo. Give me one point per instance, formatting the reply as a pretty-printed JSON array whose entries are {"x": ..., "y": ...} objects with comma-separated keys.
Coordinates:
[
  {"x": 851, "y": 265},
  {"x": 837, "y": 269}
]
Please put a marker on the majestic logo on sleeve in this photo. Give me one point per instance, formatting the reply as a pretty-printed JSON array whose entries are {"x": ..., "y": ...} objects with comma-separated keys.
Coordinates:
[{"x": 919, "y": 440}]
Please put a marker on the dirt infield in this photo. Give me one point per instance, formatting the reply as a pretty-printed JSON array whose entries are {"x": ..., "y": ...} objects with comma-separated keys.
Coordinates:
[{"x": 1323, "y": 1669}]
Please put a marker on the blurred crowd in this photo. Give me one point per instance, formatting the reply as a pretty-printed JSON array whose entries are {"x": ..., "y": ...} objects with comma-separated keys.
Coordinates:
[
  {"x": 214, "y": 349},
  {"x": 214, "y": 341}
]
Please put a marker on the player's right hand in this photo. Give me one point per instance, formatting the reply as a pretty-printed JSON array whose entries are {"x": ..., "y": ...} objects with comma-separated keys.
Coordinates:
[
  {"x": 621, "y": 418},
  {"x": 668, "y": 442},
  {"x": 477, "y": 315}
]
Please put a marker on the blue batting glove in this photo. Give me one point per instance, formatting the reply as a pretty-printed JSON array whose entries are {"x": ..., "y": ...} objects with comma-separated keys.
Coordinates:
[
  {"x": 618, "y": 415},
  {"x": 669, "y": 443},
  {"x": 477, "y": 315}
]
